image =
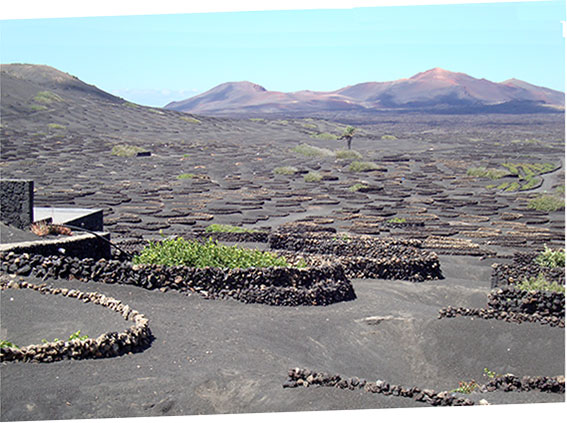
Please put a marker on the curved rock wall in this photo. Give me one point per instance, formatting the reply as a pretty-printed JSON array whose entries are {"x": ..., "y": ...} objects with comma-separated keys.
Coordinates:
[
  {"x": 110, "y": 344},
  {"x": 318, "y": 285}
]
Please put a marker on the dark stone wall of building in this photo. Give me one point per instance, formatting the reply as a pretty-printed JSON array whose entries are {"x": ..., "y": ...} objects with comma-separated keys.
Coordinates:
[{"x": 16, "y": 200}]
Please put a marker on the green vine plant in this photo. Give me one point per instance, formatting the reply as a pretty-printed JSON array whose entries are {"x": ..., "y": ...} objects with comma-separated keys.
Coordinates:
[{"x": 468, "y": 387}]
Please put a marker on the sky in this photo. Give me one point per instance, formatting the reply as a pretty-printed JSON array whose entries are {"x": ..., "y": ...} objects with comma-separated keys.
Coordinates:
[{"x": 155, "y": 59}]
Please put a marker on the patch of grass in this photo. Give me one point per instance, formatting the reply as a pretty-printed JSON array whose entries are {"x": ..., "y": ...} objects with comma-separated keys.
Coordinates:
[
  {"x": 551, "y": 258},
  {"x": 38, "y": 107},
  {"x": 177, "y": 252},
  {"x": 357, "y": 187},
  {"x": 130, "y": 104},
  {"x": 47, "y": 97},
  {"x": 324, "y": 136},
  {"x": 312, "y": 151},
  {"x": 358, "y": 166},
  {"x": 7, "y": 344},
  {"x": 56, "y": 126},
  {"x": 540, "y": 283},
  {"x": 482, "y": 172},
  {"x": 514, "y": 186},
  {"x": 389, "y": 137},
  {"x": 396, "y": 220},
  {"x": 312, "y": 177},
  {"x": 186, "y": 176},
  {"x": 215, "y": 227},
  {"x": 286, "y": 170},
  {"x": 547, "y": 203},
  {"x": 257, "y": 120},
  {"x": 125, "y": 150},
  {"x": 348, "y": 154},
  {"x": 466, "y": 387},
  {"x": 309, "y": 126},
  {"x": 190, "y": 119}
]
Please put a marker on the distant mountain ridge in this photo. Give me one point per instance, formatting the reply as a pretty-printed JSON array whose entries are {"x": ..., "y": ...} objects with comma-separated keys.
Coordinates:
[{"x": 433, "y": 89}]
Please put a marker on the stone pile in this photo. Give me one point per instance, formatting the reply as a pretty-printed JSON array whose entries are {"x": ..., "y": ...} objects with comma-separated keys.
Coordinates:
[
  {"x": 364, "y": 256},
  {"x": 509, "y": 316},
  {"x": 110, "y": 344},
  {"x": 543, "y": 303},
  {"x": 304, "y": 378},
  {"x": 523, "y": 267},
  {"x": 289, "y": 286},
  {"x": 510, "y": 382}
]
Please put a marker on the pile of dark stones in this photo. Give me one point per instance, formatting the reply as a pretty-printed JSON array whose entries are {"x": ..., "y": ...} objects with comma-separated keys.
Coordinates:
[
  {"x": 508, "y": 316},
  {"x": 283, "y": 286},
  {"x": 523, "y": 267},
  {"x": 510, "y": 383},
  {"x": 111, "y": 344},
  {"x": 304, "y": 378},
  {"x": 543, "y": 303},
  {"x": 257, "y": 236},
  {"x": 365, "y": 256}
]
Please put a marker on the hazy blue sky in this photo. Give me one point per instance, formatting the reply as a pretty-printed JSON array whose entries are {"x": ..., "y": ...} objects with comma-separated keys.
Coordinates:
[{"x": 156, "y": 59}]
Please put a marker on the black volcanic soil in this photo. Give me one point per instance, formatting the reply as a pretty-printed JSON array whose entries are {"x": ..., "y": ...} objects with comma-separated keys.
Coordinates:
[{"x": 225, "y": 356}]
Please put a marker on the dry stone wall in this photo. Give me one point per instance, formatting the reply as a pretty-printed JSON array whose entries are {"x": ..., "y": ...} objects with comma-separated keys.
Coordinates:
[{"x": 110, "y": 344}]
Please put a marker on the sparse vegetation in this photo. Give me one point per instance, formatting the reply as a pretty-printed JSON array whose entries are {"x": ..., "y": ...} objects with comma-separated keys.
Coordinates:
[
  {"x": 125, "y": 150},
  {"x": 551, "y": 258},
  {"x": 190, "y": 119},
  {"x": 7, "y": 344},
  {"x": 130, "y": 104},
  {"x": 38, "y": 107},
  {"x": 482, "y": 172},
  {"x": 348, "y": 154},
  {"x": 286, "y": 170},
  {"x": 56, "y": 126},
  {"x": 466, "y": 387},
  {"x": 179, "y": 252},
  {"x": 357, "y": 187},
  {"x": 47, "y": 97},
  {"x": 547, "y": 203},
  {"x": 312, "y": 177},
  {"x": 309, "y": 125},
  {"x": 257, "y": 120},
  {"x": 540, "y": 283},
  {"x": 73, "y": 336},
  {"x": 396, "y": 220},
  {"x": 358, "y": 166},
  {"x": 312, "y": 151},
  {"x": 215, "y": 227},
  {"x": 389, "y": 137},
  {"x": 186, "y": 176},
  {"x": 324, "y": 136}
]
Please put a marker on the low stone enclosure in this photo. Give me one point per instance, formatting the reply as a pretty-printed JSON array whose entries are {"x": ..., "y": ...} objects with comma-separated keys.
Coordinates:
[
  {"x": 304, "y": 378},
  {"x": 508, "y": 302},
  {"x": 110, "y": 344},
  {"x": 324, "y": 280}
]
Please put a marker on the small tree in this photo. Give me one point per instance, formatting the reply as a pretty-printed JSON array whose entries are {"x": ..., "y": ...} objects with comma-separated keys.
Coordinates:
[{"x": 348, "y": 134}]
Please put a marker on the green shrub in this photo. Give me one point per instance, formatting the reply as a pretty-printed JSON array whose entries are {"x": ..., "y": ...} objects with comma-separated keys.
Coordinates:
[
  {"x": 312, "y": 151},
  {"x": 397, "y": 220},
  {"x": 482, "y": 172},
  {"x": 176, "y": 252},
  {"x": 7, "y": 344},
  {"x": 466, "y": 387},
  {"x": 312, "y": 177},
  {"x": 47, "y": 97},
  {"x": 38, "y": 107},
  {"x": 286, "y": 170},
  {"x": 56, "y": 126},
  {"x": 257, "y": 120},
  {"x": 389, "y": 137},
  {"x": 551, "y": 258},
  {"x": 125, "y": 150},
  {"x": 215, "y": 227},
  {"x": 324, "y": 136},
  {"x": 186, "y": 176},
  {"x": 362, "y": 166},
  {"x": 190, "y": 119},
  {"x": 357, "y": 187},
  {"x": 540, "y": 283},
  {"x": 348, "y": 154},
  {"x": 547, "y": 203}
]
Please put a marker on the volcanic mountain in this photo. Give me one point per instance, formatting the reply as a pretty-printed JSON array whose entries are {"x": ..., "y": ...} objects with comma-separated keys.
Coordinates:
[{"x": 435, "y": 89}]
